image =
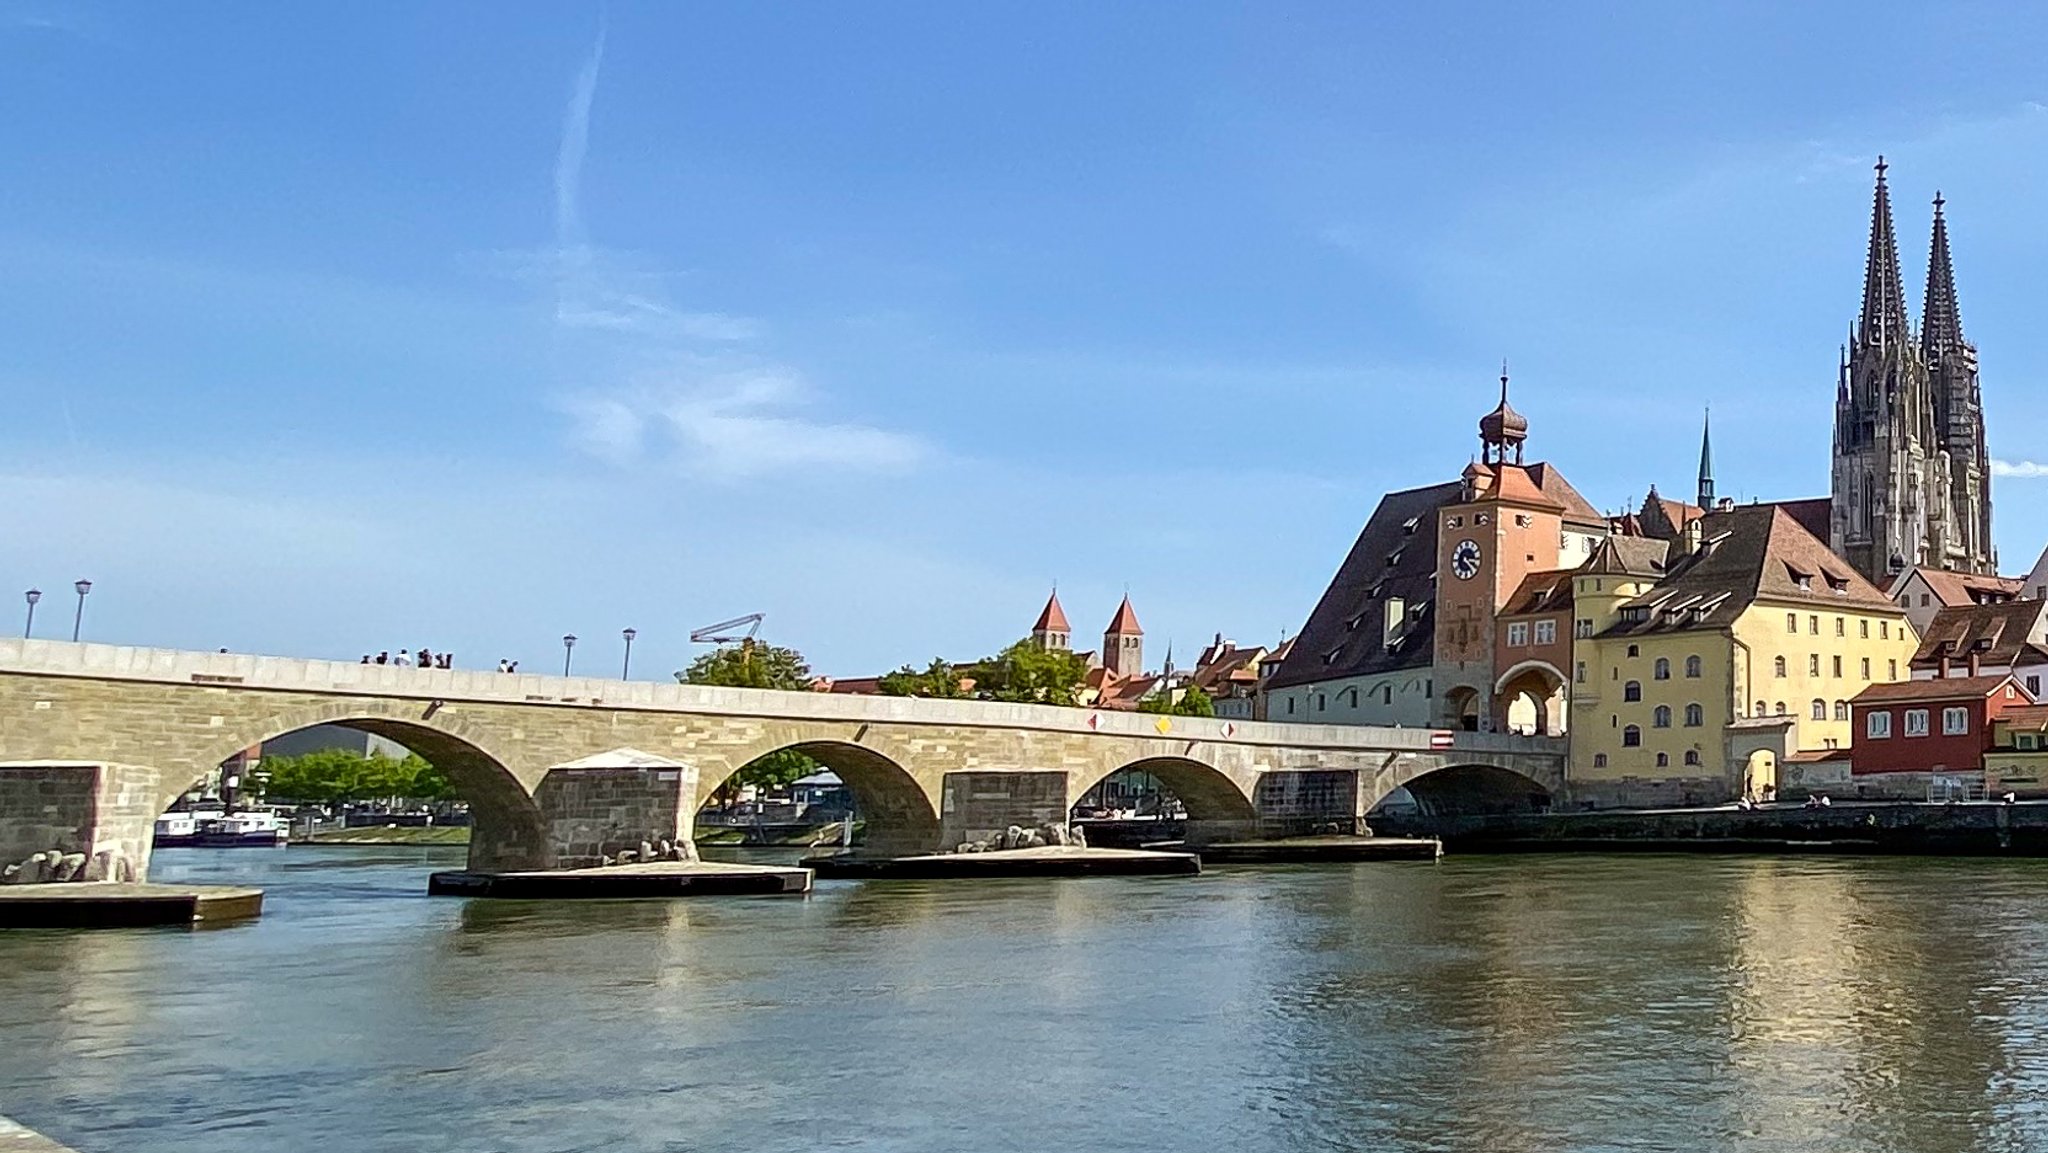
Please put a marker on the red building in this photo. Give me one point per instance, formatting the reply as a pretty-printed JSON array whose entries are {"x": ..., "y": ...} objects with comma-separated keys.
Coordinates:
[{"x": 1937, "y": 726}]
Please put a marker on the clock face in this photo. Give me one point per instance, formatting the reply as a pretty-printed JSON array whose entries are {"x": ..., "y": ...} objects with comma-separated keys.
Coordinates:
[{"x": 1465, "y": 560}]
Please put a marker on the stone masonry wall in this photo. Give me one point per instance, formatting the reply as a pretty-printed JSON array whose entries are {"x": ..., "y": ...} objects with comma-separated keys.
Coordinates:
[
  {"x": 1295, "y": 804},
  {"x": 975, "y": 806},
  {"x": 591, "y": 814},
  {"x": 47, "y": 807}
]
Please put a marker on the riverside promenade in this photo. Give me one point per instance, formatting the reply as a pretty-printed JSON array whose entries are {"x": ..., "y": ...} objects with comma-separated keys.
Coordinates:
[{"x": 1935, "y": 829}]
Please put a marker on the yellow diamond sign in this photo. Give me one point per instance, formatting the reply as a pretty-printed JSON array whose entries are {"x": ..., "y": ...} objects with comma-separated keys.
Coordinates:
[{"x": 1162, "y": 724}]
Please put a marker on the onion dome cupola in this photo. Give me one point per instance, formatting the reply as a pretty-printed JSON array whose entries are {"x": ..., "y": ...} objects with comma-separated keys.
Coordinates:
[{"x": 1503, "y": 428}]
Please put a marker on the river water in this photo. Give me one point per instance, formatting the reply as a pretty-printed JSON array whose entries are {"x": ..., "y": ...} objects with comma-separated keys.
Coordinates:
[{"x": 1489, "y": 1003}]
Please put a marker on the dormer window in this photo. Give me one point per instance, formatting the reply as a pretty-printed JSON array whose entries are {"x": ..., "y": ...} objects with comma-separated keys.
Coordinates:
[{"x": 1408, "y": 526}]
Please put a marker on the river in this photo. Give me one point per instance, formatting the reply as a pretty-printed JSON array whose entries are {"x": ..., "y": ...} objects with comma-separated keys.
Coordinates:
[{"x": 1501, "y": 1004}]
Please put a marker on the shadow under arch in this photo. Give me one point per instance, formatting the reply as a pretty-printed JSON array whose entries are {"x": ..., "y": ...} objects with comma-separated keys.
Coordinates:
[
  {"x": 1206, "y": 792},
  {"x": 1476, "y": 790},
  {"x": 506, "y": 830},
  {"x": 897, "y": 813}
]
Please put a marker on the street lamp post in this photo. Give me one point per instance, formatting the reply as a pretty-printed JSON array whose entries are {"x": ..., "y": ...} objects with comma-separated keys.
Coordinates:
[
  {"x": 568, "y": 650},
  {"x": 33, "y": 595},
  {"x": 626, "y": 669},
  {"x": 78, "y": 618}
]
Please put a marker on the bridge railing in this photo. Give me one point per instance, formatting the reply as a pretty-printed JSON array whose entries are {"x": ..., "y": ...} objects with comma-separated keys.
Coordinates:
[{"x": 30, "y": 657}]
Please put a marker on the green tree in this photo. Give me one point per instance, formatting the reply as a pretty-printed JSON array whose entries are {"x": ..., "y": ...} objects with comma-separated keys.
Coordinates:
[
  {"x": 332, "y": 776},
  {"x": 1193, "y": 702},
  {"x": 749, "y": 665},
  {"x": 939, "y": 679},
  {"x": 1030, "y": 672}
]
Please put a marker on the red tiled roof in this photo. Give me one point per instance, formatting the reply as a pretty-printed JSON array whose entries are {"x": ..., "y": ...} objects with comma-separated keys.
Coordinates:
[
  {"x": 1541, "y": 592},
  {"x": 1938, "y": 689},
  {"x": 1052, "y": 619},
  {"x": 1125, "y": 622},
  {"x": 1958, "y": 588},
  {"x": 1998, "y": 634}
]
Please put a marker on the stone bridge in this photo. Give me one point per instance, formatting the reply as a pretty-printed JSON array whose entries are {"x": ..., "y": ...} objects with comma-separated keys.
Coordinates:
[{"x": 97, "y": 740}]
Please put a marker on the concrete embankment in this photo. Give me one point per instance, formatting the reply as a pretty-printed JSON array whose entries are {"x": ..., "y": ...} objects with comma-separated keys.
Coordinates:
[
  {"x": 1962, "y": 829},
  {"x": 18, "y": 1138}
]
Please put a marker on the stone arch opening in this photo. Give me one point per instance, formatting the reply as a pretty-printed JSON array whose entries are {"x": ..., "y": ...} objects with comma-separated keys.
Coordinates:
[
  {"x": 1760, "y": 775},
  {"x": 1195, "y": 801},
  {"x": 1476, "y": 790},
  {"x": 896, "y": 815},
  {"x": 1532, "y": 700},
  {"x": 1462, "y": 708},
  {"x": 506, "y": 829}
]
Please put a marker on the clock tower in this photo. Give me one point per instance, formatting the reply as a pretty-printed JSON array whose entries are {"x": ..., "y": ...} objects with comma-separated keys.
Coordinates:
[{"x": 1501, "y": 528}]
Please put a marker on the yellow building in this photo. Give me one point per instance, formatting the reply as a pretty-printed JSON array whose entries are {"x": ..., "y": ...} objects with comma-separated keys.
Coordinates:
[
  {"x": 1700, "y": 664},
  {"x": 2017, "y": 761}
]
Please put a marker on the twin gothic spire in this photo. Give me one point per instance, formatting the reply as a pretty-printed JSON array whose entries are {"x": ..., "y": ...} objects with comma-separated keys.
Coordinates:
[{"x": 1883, "y": 320}]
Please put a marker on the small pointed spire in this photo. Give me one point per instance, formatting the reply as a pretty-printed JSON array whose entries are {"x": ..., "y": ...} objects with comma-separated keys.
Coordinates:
[
  {"x": 1941, "y": 326},
  {"x": 1706, "y": 493},
  {"x": 1883, "y": 320}
]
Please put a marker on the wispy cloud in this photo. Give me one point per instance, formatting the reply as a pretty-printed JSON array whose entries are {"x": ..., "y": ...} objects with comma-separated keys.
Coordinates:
[
  {"x": 734, "y": 424},
  {"x": 706, "y": 408},
  {"x": 2018, "y": 468}
]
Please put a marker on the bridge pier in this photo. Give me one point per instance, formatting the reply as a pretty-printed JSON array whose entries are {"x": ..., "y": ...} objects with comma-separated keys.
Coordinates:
[
  {"x": 975, "y": 805},
  {"x": 82, "y": 808},
  {"x": 589, "y": 814}
]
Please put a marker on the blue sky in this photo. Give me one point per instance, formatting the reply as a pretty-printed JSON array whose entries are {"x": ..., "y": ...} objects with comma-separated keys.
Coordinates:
[{"x": 469, "y": 325}]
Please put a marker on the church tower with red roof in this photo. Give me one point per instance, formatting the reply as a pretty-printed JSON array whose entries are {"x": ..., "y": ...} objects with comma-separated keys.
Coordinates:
[
  {"x": 1123, "y": 642},
  {"x": 1052, "y": 631}
]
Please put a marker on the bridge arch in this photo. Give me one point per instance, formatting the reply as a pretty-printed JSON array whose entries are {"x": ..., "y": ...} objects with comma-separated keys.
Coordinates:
[
  {"x": 1208, "y": 793},
  {"x": 506, "y": 828},
  {"x": 1476, "y": 789},
  {"x": 897, "y": 812}
]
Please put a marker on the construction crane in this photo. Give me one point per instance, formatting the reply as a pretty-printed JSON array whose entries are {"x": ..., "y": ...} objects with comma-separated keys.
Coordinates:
[{"x": 722, "y": 633}]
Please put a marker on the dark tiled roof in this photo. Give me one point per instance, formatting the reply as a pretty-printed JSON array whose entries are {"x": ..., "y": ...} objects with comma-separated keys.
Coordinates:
[
  {"x": 2008, "y": 633},
  {"x": 1541, "y": 592},
  {"x": 1628, "y": 556},
  {"x": 1576, "y": 510},
  {"x": 1939, "y": 689},
  {"x": 1814, "y": 514},
  {"x": 1394, "y": 556},
  {"x": 1747, "y": 553}
]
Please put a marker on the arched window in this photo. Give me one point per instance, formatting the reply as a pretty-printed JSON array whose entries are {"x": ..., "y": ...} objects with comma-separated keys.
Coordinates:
[
  {"x": 1760, "y": 710},
  {"x": 1632, "y": 691},
  {"x": 1841, "y": 710},
  {"x": 1820, "y": 709},
  {"x": 1635, "y": 650},
  {"x": 1663, "y": 760},
  {"x": 1778, "y": 666},
  {"x": 1692, "y": 756},
  {"x": 1661, "y": 718},
  {"x": 1631, "y": 737},
  {"x": 1661, "y": 670},
  {"x": 1780, "y": 709},
  {"x": 1695, "y": 716},
  {"x": 1692, "y": 668}
]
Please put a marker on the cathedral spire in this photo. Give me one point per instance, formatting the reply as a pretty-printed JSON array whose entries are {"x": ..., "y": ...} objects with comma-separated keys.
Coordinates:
[
  {"x": 1941, "y": 326},
  {"x": 1706, "y": 493},
  {"x": 1884, "y": 297}
]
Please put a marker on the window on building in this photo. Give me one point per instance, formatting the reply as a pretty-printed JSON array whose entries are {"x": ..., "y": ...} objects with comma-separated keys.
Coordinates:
[
  {"x": 1791, "y": 622},
  {"x": 1692, "y": 668},
  {"x": 1813, "y": 624},
  {"x": 2024, "y": 742},
  {"x": 1386, "y": 694},
  {"x": 1290, "y": 706},
  {"x": 1813, "y": 664},
  {"x": 1778, "y": 666},
  {"x": 1955, "y": 722},
  {"x": 1632, "y": 691},
  {"x": 1546, "y": 632},
  {"x": 2034, "y": 684},
  {"x": 1518, "y": 634},
  {"x": 1582, "y": 629},
  {"x": 1635, "y": 650},
  {"x": 1841, "y": 710},
  {"x": 1820, "y": 709},
  {"x": 1891, "y": 670},
  {"x": 1631, "y": 737},
  {"x": 1663, "y": 760},
  {"x": 1599, "y": 760},
  {"x": 1916, "y": 722},
  {"x": 1354, "y": 697},
  {"x": 1661, "y": 671},
  {"x": 1923, "y": 600},
  {"x": 1319, "y": 702},
  {"x": 1695, "y": 716},
  {"x": 1884, "y": 630},
  {"x": 1692, "y": 756},
  {"x": 1863, "y": 629},
  {"x": 1836, "y": 667},
  {"x": 1778, "y": 709},
  {"x": 1863, "y": 668},
  {"x": 1660, "y": 717},
  {"x": 1877, "y": 725},
  {"x": 1760, "y": 710},
  {"x": 1579, "y": 673}
]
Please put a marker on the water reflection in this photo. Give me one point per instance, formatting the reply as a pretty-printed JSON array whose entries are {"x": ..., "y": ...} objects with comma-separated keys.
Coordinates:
[{"x": 1508, "y": 1004}]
